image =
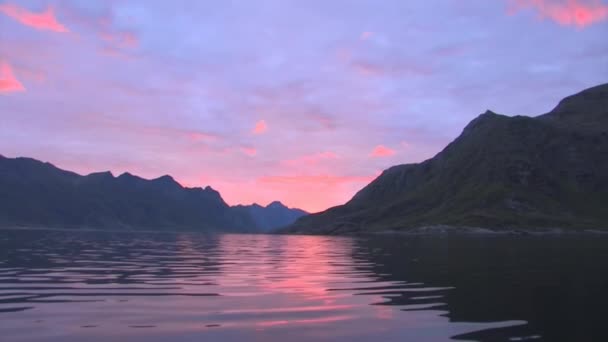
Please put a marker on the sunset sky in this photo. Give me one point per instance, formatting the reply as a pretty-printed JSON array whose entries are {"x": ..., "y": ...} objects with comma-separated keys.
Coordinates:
[{"x": 299, "y": 101}]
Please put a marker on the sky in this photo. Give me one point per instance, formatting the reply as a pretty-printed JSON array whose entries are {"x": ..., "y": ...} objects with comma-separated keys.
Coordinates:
[{"x": 301, "y": 101}]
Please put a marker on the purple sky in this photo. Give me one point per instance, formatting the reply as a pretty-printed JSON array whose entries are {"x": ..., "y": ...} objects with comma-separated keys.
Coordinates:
[{"x": 299, "y": 101}]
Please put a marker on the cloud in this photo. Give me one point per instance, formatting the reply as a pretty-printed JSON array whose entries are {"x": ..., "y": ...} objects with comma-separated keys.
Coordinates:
[
  {"x": 35, "y": 75},
  {"x": 311, "y": 159},
  {"x": 366, "y": 35},
  {"x": 142, "y": 131},
  {"x": 450, "y": 50},
  {"x": 121, "y": 39},
  {"x": 250, "y": 151},
  {"x": 200, "y": 136},
  {"x": 8, "y": 82},
  {"x": 115, "y": 33},
  {"x": 116, "y": 40},
  {"x": 315, "y": 179},
  {"x": 579, "y": 13},
  {"x": 381, "y": 69},
  {"x": 369, "y": 69},
  {"x": 260, "y": 127},
  {"x": 172, "y": 88},
  {"x": 382, "y": 151},
  {"x": 326, "y": 121},
  {"x": 41, "y": 21}
]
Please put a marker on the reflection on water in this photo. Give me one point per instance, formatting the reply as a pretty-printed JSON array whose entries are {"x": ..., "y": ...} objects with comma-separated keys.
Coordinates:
[{"x": 91, "y": 286}]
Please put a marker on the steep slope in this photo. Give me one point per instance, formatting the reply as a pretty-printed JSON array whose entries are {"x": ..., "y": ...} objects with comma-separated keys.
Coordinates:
[
  {"x": 272, "y": 216},
  {"x": 501, "y": 172},
  {"x": 39, "y": 194}
]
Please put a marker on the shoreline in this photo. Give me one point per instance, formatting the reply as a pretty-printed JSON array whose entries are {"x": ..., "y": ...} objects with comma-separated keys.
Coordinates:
[
  {"x": 111, "y": 230},
  {"x": 436, "y": 230},
  {"x": 443, "y": 230},
  {"x": 485, "y": 231}
]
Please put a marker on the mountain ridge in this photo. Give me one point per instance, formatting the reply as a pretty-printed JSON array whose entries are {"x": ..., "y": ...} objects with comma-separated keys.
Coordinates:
[
  {"x": 501, "y": 172},
  {"x": 36, "y": 193},
  {"x": 273, "y": 216}
]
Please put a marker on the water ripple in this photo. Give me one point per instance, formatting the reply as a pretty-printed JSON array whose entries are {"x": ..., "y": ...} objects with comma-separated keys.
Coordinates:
[{"x": 60, "y": 286}]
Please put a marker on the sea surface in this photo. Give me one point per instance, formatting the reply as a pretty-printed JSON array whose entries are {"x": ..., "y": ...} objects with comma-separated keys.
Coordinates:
[{"x": 95, "y": 286}]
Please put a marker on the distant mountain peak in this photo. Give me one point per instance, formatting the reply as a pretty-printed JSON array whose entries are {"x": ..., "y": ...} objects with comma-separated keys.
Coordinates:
[
  {"x": 209, "y": 191},
  {"x": 272, "y": 216},
  {"x": 166, "y": 180},
  {"x": 102, "y": 174},
  {"x": 276, "y": 204},
  {"x": 127, "y": 175},
  {"x": 129, "y": 178}
]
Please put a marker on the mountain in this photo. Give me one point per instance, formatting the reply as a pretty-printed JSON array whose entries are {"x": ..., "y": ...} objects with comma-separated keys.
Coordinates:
[
  {"x": 33, "y": 193},
  {"x": 502, "y": 172},
  {"x": 273, "y": 216}
]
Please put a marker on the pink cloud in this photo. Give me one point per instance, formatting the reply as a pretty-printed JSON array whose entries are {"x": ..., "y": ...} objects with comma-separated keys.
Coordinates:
[
  {"x": 344, "y": 55},
  {"x": 34, "y": 75},
  {"x": 116, "y": 39},
  {"x": 382, "y": 151},
  {"x": 369, "y": 69},
  {"x": 8, "y": 82},
  {"x": 324, "y": 120},
  {"x": 41, "y": 21},
  {"x": 579, "y": 13},
  {"x": 400, "y": 69},
  {"x": 311, "y": 159},
  {"x": 366, "y": 35},
  {"x": 260, "y": 127},
  {"x": 120, "y": 39},
  {"x": 199, "y": 136},
  {"x": 451, "y": 50},
  {"x": 117, "y": 43},
  {"x": 125, "y": 127},
  {"x": 316, "y": 179},
  {"x": 250, "y": 151}
]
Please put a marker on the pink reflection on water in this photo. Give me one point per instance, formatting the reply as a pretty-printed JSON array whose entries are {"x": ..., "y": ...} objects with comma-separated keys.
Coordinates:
[{"x": 305, "y": 321}]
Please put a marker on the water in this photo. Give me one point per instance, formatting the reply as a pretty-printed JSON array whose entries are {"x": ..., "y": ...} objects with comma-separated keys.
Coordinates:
[{"x": 92, "y": 286}]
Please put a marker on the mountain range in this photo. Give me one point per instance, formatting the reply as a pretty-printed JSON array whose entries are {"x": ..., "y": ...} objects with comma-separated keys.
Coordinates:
[
  {"x": 501, "y": 173},
  {"x": 273, "y": 216},
  {"x": 38, "y": 194}
]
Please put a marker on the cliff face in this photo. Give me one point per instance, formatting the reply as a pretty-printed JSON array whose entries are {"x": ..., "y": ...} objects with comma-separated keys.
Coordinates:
[{"x": 502, "y": 172}]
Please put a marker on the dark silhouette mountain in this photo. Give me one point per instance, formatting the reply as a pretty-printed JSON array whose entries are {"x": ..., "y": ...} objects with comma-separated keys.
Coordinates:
[
  {"x": 502, "y": 172},
  {"x": 33, "y": 193},
  {"x": 273, "y": 216}
]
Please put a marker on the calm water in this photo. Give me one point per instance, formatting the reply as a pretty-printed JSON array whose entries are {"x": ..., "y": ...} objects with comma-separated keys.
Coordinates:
[{"x": 66, "y": 286}]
